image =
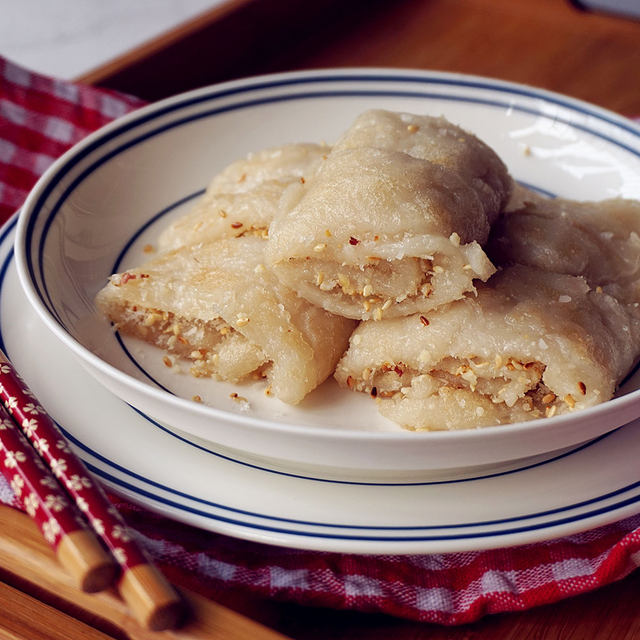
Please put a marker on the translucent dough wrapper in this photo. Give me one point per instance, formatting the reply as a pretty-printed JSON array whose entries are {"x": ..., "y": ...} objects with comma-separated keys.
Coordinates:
[
  {"x": 531, "y": 344},
  {"x": 216, "y": 305},
  {"x": 380, "y": 233},
  {"x": 244, "y": 197},
  {"x": 437, "y": 140},
  {"x": 597, "y": 240}
]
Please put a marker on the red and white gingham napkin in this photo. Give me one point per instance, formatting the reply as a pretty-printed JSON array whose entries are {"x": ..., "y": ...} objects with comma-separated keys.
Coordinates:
[{"x": 39, "y": 119}]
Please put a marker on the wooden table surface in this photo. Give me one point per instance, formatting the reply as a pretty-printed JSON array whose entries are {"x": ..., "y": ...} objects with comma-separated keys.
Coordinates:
[{"x": 545, "y": 43}]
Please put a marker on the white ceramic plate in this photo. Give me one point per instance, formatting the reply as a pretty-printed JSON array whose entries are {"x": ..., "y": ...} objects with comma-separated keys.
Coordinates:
[
  {"x": 592, "y": 485},
  {"x": 96, "y": 208}
]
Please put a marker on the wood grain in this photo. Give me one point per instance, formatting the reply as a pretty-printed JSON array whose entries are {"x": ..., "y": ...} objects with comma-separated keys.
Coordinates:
[
  {"x": 29, "y": 566},
  {"x": 25, "y": 618},
  {"x": 547, "y": 43}
]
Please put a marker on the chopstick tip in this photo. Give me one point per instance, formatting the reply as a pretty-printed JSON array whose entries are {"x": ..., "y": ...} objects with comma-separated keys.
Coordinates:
[
  {"x": 85, "y": 559},
  {"x": 153, "y": 601}
]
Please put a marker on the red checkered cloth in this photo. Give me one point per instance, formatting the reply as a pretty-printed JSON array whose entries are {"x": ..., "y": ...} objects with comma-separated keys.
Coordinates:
[{"x": 39, "y": 119}]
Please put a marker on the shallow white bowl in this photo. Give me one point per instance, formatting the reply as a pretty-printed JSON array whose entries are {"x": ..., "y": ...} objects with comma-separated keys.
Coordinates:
[{"x": 103, "y": 201}]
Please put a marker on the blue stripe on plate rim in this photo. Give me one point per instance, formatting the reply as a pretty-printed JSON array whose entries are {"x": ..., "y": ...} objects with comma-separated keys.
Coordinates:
[
  {"x": 149, "y": 494},
  {"x": 288, "y": 82}
]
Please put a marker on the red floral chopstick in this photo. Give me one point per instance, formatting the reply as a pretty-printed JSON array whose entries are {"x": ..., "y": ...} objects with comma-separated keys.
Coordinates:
[
  {"x": 151, "y": 598},
  {"x": 43, "y": 498}
]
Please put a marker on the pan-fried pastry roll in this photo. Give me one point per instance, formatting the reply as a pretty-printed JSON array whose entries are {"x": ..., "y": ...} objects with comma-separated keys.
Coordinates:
[
  {"x": 531, "y": 344},
  {"x": 597, "y": 240},
  {"x": 380, "y": 232},
  {"x": 216, "y": 305},
  {"x": 440, "y": 141},
  {"x": 244, "y": 197}
]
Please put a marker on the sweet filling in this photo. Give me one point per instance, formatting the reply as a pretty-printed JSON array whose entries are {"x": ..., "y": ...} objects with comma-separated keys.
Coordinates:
[
  {"x": 373, "y": 286},
  {"x": 212, "y": 348},
  {"x": 507, "y": 381}
]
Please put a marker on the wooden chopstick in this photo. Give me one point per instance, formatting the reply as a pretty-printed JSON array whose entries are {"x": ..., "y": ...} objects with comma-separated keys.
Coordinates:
[
  {"x": 28, "y": 565},
  {"x": 75, "y": 544},
  {"x": 151, "y": 598}
]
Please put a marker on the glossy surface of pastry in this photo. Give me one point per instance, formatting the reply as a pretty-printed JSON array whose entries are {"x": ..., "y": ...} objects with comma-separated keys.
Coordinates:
[
  {"x": 217, "y": 307},
  {"x": 244, "y": 197},
  {"x": 380, "y": 233},
  {"x": 597, "y": 240},
  {"x": 532, "y": 344}
]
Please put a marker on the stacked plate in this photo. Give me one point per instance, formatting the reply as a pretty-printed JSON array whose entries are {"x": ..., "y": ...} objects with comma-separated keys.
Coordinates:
[{"x": 329, "y": 473}]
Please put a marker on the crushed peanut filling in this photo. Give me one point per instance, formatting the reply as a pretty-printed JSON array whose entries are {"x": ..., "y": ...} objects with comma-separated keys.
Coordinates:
[
  {"x": 260, "y": 232},
  {"x": 503, "y": 380},
  {"x": 373, "y": 285},
  {"x": 202, "y": 344}
]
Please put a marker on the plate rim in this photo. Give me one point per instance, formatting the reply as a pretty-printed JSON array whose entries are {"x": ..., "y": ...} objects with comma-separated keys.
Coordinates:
[
  {"x": 213, "y": 92},
  {"x": 321, "y": 541}
]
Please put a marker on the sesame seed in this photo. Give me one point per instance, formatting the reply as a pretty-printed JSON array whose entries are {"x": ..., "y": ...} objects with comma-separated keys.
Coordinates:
[
  {"x": 196, "y": 398},
  {"x": 454, "y": 239},
  {"x": 583, "y": 388},
  {"x": 412, "y": 128},
  {"x": 424, "y": 321},
  {"x": 148, "y": 248},
  {"x": 242, "y": 319},
  {"x": 321, "y": 246},
  {"x": 167, "y": 361},
  {"x": 367, "y": 290},
  {"x": 151, "y": 319},
  {"x": 222, "y": 213},
  {"x": 548, "y": 398},
  {"x": 198, "y": 371},
  {"x": 550, "y": 411}
]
